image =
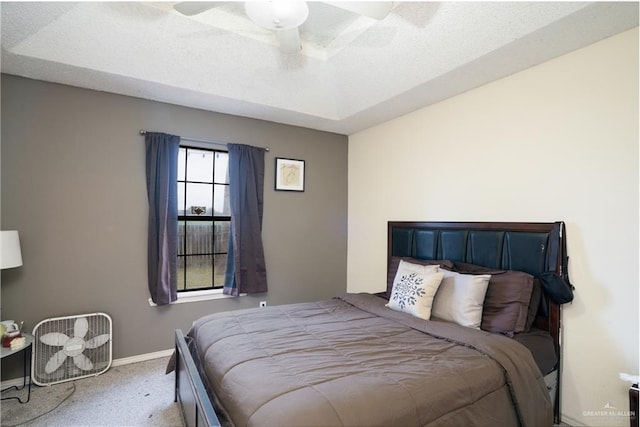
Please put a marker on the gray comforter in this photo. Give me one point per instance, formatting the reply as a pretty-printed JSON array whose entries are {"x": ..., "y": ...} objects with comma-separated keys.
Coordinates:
[{"x": 351, "y": 361}]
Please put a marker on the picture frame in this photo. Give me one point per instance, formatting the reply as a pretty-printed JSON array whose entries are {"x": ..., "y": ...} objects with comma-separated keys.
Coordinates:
[{"x": 289, "y": 174}]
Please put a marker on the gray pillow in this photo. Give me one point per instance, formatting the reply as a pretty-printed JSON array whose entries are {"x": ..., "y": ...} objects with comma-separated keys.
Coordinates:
[
  {"x": 460, "y": 298},
  {"x": 506, "y": 304}
]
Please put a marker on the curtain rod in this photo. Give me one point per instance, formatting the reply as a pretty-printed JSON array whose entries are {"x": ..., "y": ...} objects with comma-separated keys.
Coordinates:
[{"x": 186, "y": 138}]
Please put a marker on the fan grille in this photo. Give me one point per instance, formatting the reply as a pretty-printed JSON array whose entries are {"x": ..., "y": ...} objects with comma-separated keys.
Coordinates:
[{"x": 100, "y": 356}]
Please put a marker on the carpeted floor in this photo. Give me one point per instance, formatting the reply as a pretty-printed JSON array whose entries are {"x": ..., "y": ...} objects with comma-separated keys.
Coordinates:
[{"x": 138, "y": 394}]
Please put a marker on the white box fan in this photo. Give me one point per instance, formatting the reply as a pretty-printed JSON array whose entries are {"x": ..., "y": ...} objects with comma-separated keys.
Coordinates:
[{"x": 71, "y": 347}]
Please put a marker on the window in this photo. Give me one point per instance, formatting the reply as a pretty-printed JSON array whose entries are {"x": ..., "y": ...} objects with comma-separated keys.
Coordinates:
[{"x": 203, "y": 218}]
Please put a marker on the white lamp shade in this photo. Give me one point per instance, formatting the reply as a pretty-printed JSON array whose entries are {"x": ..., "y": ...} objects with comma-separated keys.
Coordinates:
[{"x": 11, "y": 256}]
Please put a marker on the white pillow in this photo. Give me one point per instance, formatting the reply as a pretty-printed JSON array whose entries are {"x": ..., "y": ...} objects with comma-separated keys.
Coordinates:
[
  {"x": 460, "y": 298},
  {"x": 414, "y": 288}
]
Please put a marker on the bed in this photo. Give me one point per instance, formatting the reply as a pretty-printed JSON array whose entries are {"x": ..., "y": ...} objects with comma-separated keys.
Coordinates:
[{"x": 353, "y": 360}]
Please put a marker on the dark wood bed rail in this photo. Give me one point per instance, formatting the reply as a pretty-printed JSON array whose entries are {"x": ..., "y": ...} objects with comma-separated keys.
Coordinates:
[{"x": 190, "y": 392}]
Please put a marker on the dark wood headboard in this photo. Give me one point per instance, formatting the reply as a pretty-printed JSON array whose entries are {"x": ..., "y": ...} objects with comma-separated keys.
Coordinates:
[
  {"x": 522, "y": 246},
  {"x": 531, "y": 247}
]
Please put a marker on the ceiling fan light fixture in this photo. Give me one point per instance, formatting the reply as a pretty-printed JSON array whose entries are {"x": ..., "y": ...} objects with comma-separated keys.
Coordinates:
[{"x": 277, "y": 14}]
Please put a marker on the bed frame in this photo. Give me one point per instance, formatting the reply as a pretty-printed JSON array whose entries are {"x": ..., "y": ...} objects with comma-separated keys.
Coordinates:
[
  {"x": 190, "y": 392},
  {"x": 532, "y": 247},
  {"x": 529, "y": 247}
]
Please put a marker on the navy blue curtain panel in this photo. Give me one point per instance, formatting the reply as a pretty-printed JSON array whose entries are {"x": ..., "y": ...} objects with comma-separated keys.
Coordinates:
[
  {"x": 162, "y": 191},
  {"x": 246, "y": 270}
]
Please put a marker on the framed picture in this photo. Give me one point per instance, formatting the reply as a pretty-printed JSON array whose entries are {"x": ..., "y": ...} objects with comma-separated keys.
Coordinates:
[{"x": 289, "y": 174}]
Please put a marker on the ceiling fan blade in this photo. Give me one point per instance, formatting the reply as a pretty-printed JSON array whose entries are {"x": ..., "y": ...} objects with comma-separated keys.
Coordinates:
[
  {"x": 372, "y": 9},
  {"x": 191, "y": 8},
  {"x": 289, "y": 40}
]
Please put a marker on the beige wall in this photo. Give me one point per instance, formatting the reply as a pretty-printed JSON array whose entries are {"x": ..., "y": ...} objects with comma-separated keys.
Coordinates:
[
  {"x": 73, "y": 184},
  {"x": 555, "y": 142}
]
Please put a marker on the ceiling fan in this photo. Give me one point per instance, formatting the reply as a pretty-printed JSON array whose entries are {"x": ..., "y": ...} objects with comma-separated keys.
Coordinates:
[{"x": 285, "y": 16}]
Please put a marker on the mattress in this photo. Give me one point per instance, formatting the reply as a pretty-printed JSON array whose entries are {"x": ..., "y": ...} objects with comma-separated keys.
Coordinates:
[
  {"x": 352, "y": 361},
  {"x": 540, "y": 344}
]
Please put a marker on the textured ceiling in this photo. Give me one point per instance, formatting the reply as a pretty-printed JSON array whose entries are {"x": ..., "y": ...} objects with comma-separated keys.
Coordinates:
[{"x": 352, "y": 73}]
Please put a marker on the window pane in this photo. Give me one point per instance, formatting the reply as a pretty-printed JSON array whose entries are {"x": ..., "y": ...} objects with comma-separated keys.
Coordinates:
[
  {"x": 222, "y": 168},
  {"x": 181, "y": 230},
  {"x": 199, "y": 165},
  {"x": 221, "y": 236},
  {"x": 181, "y": 198},
  {"x": 182, "y": 155},
  {"x": 220, "y": 268},
  {"x": 199, "y": 237},
  {"x": 180, "y": 273},
  {"x": 199, "y": 199},
  {"x": 221, "y": 200},
  {"x": 199, "y": 271}
]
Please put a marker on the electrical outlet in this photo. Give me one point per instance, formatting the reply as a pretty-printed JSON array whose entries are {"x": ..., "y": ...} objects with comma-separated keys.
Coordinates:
[{"x": 263, "y": 303}]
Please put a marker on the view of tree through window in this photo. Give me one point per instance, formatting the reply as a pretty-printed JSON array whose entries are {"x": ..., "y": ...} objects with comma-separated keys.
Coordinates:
[{"x": 203, "y": 218}]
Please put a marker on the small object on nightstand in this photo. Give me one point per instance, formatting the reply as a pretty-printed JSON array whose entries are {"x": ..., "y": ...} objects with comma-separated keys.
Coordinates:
[
  {"x": 7, "y": 341},
  {"x": 11, "y": 331},
  {"x": 17, "y": 343},
  {"x": 10, "y": 328},
  {"x": 633, "y": 405}
]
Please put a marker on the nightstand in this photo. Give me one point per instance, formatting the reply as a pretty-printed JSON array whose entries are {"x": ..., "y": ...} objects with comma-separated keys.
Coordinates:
[{"x": 26, "y": 367}]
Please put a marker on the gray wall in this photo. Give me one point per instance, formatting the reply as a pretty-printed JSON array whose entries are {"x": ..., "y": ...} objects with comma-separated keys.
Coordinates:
[{"x": 73, "y": 184}]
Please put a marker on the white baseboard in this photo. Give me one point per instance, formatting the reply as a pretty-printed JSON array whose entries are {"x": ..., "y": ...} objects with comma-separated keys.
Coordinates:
[
  {"x": 17, "y": 382},
  {"x": 142, "y": 357}
]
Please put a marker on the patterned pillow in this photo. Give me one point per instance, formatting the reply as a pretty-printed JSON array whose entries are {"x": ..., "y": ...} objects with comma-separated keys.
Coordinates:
[
  {"x": 394, "y": 262},
  {"x": 414, "y": 288}
]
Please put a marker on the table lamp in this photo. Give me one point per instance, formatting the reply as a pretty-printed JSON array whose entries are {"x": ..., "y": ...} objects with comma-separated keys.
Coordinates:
[{"x": 11, "y": 256}]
